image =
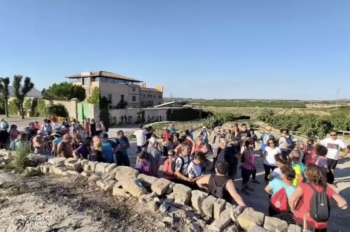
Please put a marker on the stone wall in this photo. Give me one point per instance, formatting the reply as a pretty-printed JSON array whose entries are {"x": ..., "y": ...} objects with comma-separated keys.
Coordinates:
[{"x": 203, "y": 212}]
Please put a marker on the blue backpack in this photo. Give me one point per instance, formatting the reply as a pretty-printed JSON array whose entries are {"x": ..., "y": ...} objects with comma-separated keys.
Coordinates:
[{"x": 5, "y": 125}]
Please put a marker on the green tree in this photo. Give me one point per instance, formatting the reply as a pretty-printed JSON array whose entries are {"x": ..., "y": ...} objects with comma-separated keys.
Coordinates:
[
  {"x": 4, "y": 89},
  {"x": 64, "y": 91},
  {"x": 21, "y": 91},
  {"x": 95, "y": 96}
]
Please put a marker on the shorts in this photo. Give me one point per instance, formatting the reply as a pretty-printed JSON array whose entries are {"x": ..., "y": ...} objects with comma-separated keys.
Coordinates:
[{"x": 332, "y": 164}]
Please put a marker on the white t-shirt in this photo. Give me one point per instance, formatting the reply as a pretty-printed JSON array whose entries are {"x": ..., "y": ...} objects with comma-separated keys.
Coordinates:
[
  {"x": 277, "y": 173},
  {"x": 140, "y": 137},
  {"x": 270, "y": 155},
  {"x": 333, "y": 147},
  {"x": 194, "y": 170},
  {"x": 182, "y": 167}
]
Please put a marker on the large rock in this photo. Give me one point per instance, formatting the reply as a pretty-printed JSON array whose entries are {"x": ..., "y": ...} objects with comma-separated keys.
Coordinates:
[
  {"x": 94, "y": 178},
  {"x": 70, "y": 161},
  {"x": 256, "y": 228},
  {"x": 110, "y": 168},
  {"x": 119, "y": 192},
  {"x": 219, "y": 225},
  {"x": 30, "y": 171},
  {"x": 4, "y": 152},
  {"x": 74, "y": 164},
  {"x": 294, "y": 228},
  {"x": 57, "y": 161},
  {"x": 90, "y": 166},
  {"x": 146, "y": 180},
  {"x": 219, "y": 206},
  {"x": 125, "y": 173},
  {"x": 182, "y": 194},
  {"x": 134, "y": 187},
  {"x": 170, "y": 188},
  {"x": 197, "y": 199},
  {"x": 107, "y": 176},
  {"x": 38, "y": 159},
  {"x": 59, "y": 170},
  {"x": 226, "y": 213},
  {"x": 273, "y": 223},
  {"x": 250, "y": 218},
  {"x": 160, "y": 186},
  {"x": 86, "y": 173},
  {"x": 100, "y": 167},
  {"x": 208, "y": 206},
  {"x": 45, "y": 168},
  {"x": 106, "y": 185}
]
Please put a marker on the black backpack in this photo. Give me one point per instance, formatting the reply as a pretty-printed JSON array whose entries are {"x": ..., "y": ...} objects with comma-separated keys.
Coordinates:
[
  {"x": 319, "y": 205},
  {"x": 173, "y": 163},
  {"x": 218, "y": 190}
]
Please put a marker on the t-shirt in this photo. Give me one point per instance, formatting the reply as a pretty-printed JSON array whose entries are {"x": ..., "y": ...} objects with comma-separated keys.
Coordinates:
[
  {"x": 270, "y": 155},
  {"x": 322, "y": 163},
  {"x": 122, "y": 142},
  {"x": 173, "y": 131},
  {"x": 184, "y": 162},
  {"x": 194, "y": 170},
  {"x": 277, "y": 184},
  {"x": 154, "y": 158},
  {"x": 57, "y": 141},
  {"x": 276, "y": 173},
  {"x": 265, "y": 138},
  {"x": 245, "y": 134},
  {"x": 333, "y": 147},
  {"x": 140, "y": 137},
  {"x": 282, "y": 143},
  {"x": 107, "y": 152},
  {"x": 84, "y": 151},
  {"x": 303, "y": 208},
  {"x": 298, "y": 171}
]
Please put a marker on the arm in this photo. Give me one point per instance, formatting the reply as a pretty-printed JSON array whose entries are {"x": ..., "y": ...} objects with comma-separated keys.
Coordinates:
[
  {"x": 230, "y": 186},
  {"x": 178, "y": 170},
  {"x": 268, "y": 189},
  {"x": 340, "y": 201},
  {"x": 127, "y": 145},
  {"x": 293, "y": 200},
  {"x": 59, "y": 148},
  {"x": 203, "y": 182},
  {"x": 246, "y": 157},
  {"x": 345, "y": 152}
]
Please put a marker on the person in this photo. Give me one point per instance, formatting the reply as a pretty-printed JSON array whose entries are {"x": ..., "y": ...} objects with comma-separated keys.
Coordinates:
[
  {"x": 107, "y": 149},
  {"x": 103, "y": 127},
  {"x": 248, "y": 160},
  {"x": 235, "y": 130},
  {"x": 20, "y": 142},
  {"x": 75, "y": 126},
  {"x": 87, "y": 127},
  {"x": 122, "y": 149},
  {"x": 205, "y": 135},
  {"x": 37, "y": 125},
  {"x": 199, "y": 146},
  {"x": 253, "y": 136},
  {"x": 190, "y": 132},
  {"x": 13, "y": 132},
  {"x": 244, "y": 132},
  {"x": 57, "y": 140},
  {"x": 281, "y": 189},
  {"x": 309, "y": 196},
  {"x": 270, "y": 162},
  {"x": 321, "y": 161},
  {"x": 234, "y": 151},
  {"x": 219, "y": 185},
  {"x": 167, "y": 170},
  {"x": 216, "y": 147},
  {"x": 4, "y": 126},
  {"x": 92, "y": 127},
  {"x": 300, "y": 146},
  {"x": 298, "y": 167},
  {"x": 143, "y": 165},
  {"x": 97, "y": 136},
  {"x": 97, "y": 153},
  {"x": 140, "y": 135},
  {"x": 284, "y": 143},
  {"x": 66, "y": 122},
  {"x": 181, "y": 164},
  {"x": 76, "y": 141},
  {"x": 38, "y": 143},
  {"x": 265, "y": 138},
  {"x": 195, "y": 169},
  {"x": 309, "y": 147},
  {"x": 229, "y": 157},
  {"x": 84, "y": 150},
  {"x": 334, "y": 145},
  {"x": 154, "y": 156},
  {"x": 64, "y": 148},
  {"x": 46, "y": 127},
  {"x": 172, "y": 129},
  {"x": 282, "y": 160}
]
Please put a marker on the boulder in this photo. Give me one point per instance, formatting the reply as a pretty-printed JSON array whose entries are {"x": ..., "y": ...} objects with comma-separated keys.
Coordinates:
[
  {"x": 219, "y": 224},
  {"x": 153, "y": 205},
  {"x": 197, "y": 199},
  {"x": 110, "y": 168},
  {"x": 71, "y": 172},
  {"x": 38, "y": 159},
  {"x": 134, "y": 187},
  {"x": 256, "y": 228},
  {"x": 164, "y": 207},
  {"x": 226, "y": 213},
  {"x": 219, "y": 206},
  {"x": 57, "y": 161},
  {"x": 86, "y": 173},
  {"x": 106, "y": 185},
  {"x": 145, "y": 198},
  {"x": 119, "y": 192},
  {"x": 170, "y": 188},
  {"x": 160, "y": 186},
  {"x": 182, "y": 194},
  {"x": 70, "y": 161},
  {"x": 94, "y": 178},
  {"x": 100, "y": 167},
  {"x": 125, "y": 173},
  {"x": 294, "y": 228},
  {"x": 45, "y": 168},
  {"x": 250, "y": 218},
  {"x": 59, "y": 170},
  {"x": 146, "y": 181},
  {"x": 107, "y": 176},
  {"x": 208, "y": 206},
  {"x": 236, "y": 211},
  {"x": 273, "y": 223},
  {"x": 76, "y": 166},
  {"x": 30, "y": 171},
  {"x": 4, "y": 152},
  {"x": 90, "y": 166}
]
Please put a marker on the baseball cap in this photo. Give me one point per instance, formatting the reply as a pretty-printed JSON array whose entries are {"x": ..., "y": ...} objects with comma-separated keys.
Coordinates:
[{"x": 152, "y": 140}]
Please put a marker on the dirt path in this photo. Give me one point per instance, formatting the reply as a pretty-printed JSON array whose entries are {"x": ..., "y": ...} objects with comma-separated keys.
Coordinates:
[{"x": 73, "y": 205}]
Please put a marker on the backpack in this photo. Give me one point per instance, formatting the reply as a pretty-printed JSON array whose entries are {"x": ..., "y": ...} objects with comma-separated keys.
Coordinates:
[
  {"x": 279, "y": 201},
  {"x": 218, "y": 190},
  {"x": 173, "y": 163},
  {"x": 319, "y": 205}
]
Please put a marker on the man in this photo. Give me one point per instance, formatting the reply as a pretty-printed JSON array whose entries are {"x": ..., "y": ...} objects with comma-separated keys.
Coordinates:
[
  {"x": 38, "y": 143},
  {"x": 154, "y": 156},
  {"x": 172, "y": 129},
  {"x": 4, "y": 126},
  {"x": 334, "y": 145},
  {"x": 57, "y": 140},
  {"x": 284, "y": 143},
  {"x": 244, "y": 132},
  {"x": 205, "y": 135},
  {"x": 64, "y": 148},
  {"x": 140, "y": 135},
  {"x": 107, "y": 149},
  {"x": 227, "y": 155},
  {"x": 166, "y": 136},
  {"x": 121, "y": 151},
  {"x": 298, "y": 167},
  {"x": 182, "y": 162}
]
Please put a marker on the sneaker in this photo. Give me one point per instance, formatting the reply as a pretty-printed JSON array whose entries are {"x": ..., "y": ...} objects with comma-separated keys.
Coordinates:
[
  {"x": 255, "y": 181},
  {"x": 249, "y": 188}
]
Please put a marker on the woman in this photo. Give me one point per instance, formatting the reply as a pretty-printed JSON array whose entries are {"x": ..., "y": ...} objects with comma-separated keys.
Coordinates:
[
  {"x": 13, "y": 132},
  {"x": 235, "y": 131},
  {"x": 270, "y": 163},
  {"x": 281, "y": 161},
  {"x": 300, "y": 146},
  {"x": 309, "y": 147},
  {"x": 205, "y": 135},
  {"x": 87, "y": 127},
  {"x": 248, "y": 160},
  {"x": 20, "y": 142},
  {"x": 281, "y": 190},
  {"x": 92, "y": 127},
  {"x": 199, "y": 146},
  {"x": 219, "y": 179},
  {"x": 143, "y": 165},
  {"x": 75, "y": 125},
  {"x": 103, "y": 127},
  {"x": 301, "y": 201}
]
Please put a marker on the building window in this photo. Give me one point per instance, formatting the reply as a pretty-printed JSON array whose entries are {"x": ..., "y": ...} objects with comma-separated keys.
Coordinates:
[
  {"x": 154, "y": 96},
  {"x": 133, "y": 98},
  {"x": 97, "y": 79},
  {"x": 133, "y": 89},
  {"x": 159, "y": 96},
  {"x": 144, "y": 95},
  {"x": 110, "y": 97}
]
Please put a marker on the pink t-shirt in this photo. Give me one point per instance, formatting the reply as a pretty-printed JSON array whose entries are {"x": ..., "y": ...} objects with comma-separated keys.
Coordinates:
[{"x": 247, "y": 165}]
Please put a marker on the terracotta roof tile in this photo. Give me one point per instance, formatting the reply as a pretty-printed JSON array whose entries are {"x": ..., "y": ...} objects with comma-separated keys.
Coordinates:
[{"x": 105, "y": 74}]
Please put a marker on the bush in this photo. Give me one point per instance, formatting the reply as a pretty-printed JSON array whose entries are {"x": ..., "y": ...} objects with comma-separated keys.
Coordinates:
[
  {"x": 21, "y": 160},
  {"x": 42, "y": 109},
  {"x": 58, "y": 110},
  {"x": 220, "y": 118},
  {"x": 272, "y": 104}
]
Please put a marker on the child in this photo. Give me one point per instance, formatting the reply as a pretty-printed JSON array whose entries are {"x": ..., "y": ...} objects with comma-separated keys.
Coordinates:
[
  {"x": 168, "y": 171},
  {"x": 195, "y": 169},
  {"x": 142, "y": 164},
  {"x": 321, "y": 161}
]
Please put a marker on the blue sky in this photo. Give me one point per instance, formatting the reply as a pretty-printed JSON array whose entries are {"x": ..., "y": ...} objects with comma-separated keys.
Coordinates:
[{"x": 293, "y": 49}]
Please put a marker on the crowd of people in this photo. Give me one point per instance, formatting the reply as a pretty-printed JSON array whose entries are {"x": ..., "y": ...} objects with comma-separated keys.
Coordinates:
[{"x": 299, "y": 176}]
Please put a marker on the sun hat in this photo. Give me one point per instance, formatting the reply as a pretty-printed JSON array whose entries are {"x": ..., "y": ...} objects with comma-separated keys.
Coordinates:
[{"x": 268, "y": 129}]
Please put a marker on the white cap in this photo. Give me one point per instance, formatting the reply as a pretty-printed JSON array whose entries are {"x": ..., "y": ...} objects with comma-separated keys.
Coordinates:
[
  {"x": 152, "y": 140},
  {"x": 204, "y": 127}
]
